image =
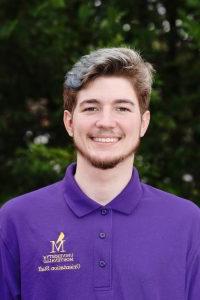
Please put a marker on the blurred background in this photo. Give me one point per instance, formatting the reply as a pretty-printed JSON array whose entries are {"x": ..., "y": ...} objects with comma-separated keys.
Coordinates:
[{"x": 39, "y": 42}]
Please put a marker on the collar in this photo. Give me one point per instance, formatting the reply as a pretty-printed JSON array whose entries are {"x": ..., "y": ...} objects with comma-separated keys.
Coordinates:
[{"x": 82, "y": 205}]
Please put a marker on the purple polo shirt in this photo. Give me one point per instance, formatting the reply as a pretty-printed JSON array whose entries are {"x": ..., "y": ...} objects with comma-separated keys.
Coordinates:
[{"x": 56, "y": 243}]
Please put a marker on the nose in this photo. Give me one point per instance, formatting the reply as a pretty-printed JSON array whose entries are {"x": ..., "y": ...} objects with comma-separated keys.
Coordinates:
[{"x": 106, "y": 120}]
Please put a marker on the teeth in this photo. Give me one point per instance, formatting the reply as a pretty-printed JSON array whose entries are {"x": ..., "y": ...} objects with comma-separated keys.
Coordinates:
[{"x": 105, "y": 140}]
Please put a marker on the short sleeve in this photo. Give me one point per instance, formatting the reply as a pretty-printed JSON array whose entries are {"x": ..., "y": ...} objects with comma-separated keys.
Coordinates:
[
  {"x": 193, "y": 277},
  {"x": 9, "y": 274}
]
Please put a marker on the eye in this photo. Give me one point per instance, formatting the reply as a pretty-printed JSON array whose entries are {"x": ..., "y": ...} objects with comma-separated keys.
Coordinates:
[
  {"x": 91, "y": 108},
  {"x": 123, "y": 108}
]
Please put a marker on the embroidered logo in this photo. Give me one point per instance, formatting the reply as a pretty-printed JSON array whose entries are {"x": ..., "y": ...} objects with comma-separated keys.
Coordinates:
[
  {"x": 57, "y": 259},
  {"x": 58, "y": 246}
]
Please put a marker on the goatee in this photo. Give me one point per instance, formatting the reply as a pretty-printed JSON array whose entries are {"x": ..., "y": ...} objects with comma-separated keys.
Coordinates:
[{"x": 106, "y": 164}]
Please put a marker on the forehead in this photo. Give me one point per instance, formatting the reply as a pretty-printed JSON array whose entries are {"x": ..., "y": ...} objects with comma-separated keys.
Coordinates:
[{"x": 106, "y": 89}]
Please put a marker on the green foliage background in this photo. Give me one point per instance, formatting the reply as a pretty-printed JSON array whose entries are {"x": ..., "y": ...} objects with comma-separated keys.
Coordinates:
[{"x": 39, "y": 42}]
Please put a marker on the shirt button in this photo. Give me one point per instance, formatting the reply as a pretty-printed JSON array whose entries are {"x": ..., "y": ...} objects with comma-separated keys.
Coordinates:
[
  {"x": 102, "y": 263},
  {"x": 104, "y": 211},
  {"x": 102, "y": 235}
]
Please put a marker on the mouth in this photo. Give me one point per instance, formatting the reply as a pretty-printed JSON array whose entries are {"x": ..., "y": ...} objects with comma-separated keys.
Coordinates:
[{"x": 105, "y": 139}]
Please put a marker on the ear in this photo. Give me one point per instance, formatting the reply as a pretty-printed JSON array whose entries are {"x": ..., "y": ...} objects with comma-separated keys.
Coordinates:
[
  {"x": 145, "y": 122},
  {"x": 67, "y": 119}
]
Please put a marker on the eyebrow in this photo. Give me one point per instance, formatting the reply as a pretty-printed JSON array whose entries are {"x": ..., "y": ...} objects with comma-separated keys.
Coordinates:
[{"x": 117, "y": 101}]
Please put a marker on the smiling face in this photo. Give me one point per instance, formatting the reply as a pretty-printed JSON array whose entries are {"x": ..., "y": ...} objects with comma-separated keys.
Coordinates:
[{"x": 106, "y": 123}]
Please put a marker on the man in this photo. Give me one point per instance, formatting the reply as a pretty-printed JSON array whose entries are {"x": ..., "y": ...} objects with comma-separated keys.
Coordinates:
[{"x": 101, "y": 233}]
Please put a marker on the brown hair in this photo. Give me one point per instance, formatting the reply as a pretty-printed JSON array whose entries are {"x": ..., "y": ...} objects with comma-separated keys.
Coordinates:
[{"x": 123, "y": 62}]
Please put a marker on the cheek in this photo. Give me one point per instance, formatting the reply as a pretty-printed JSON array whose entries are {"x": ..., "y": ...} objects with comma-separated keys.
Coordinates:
[
  {"x": 132, "y": 128},
  {"x": 84, "y": 124},
  {"x": 80, "y": 128}
]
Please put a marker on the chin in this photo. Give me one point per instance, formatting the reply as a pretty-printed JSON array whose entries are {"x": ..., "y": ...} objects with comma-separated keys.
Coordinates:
[{"x": 105, "y": 164}]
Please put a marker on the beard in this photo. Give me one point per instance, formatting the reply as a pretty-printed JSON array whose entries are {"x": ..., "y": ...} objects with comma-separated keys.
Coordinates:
[{"x": 105, "y": 164}]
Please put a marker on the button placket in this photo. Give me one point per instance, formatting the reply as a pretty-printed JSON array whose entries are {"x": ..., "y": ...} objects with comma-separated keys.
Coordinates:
[{"x": 102, "y": 250}]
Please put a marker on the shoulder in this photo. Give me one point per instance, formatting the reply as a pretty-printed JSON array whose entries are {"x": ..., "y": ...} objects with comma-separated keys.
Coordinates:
[
  {"x": 179, "y": 216},
  {"x": 28, "y": 202},
  {"x": 170, "y": 203}
]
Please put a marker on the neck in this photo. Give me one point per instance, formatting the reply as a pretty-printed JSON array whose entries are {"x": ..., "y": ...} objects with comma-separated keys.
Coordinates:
[{"x": 103, "y": 185}]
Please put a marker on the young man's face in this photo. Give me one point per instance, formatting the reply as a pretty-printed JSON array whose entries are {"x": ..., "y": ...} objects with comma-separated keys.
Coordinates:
[{"x": 106, "y": 124}]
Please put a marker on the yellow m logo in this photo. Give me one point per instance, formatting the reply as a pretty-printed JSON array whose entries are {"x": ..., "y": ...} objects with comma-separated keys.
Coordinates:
[{"x": 58, "y": 246}]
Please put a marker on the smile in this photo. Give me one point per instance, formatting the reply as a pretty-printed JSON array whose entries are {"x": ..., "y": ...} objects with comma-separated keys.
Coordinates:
[{"x": 106, "y": 140}]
